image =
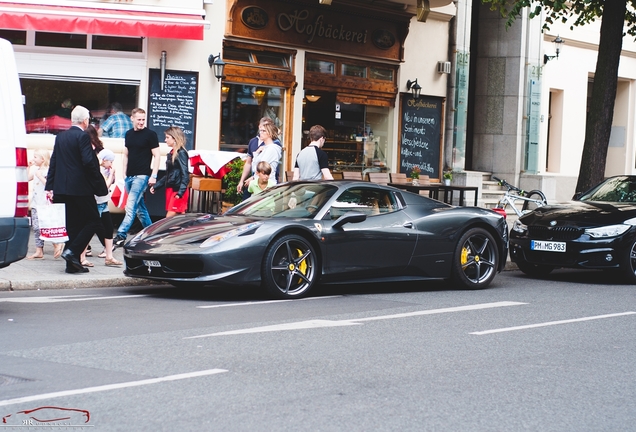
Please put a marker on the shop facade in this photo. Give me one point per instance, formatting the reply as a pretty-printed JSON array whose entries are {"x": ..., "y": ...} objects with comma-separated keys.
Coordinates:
[{"x": 345, "y": 66}]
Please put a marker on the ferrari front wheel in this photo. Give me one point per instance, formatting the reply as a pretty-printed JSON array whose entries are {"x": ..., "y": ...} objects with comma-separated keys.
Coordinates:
[
  {"x": 475, "y": 260},
  {"x": 290, "y": 267}
]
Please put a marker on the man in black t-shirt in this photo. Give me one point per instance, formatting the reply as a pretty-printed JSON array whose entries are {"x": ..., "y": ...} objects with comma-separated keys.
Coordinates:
[{"x": 141, "y": 146}]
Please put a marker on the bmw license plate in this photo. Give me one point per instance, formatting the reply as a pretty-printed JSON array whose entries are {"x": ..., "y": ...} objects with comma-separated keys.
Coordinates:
[
  {"x": 547, "y": 246},
  {"x": 149, "y": 263}
]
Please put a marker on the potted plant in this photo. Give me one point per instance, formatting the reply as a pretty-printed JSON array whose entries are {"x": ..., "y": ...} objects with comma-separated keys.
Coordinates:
[
  {"x": 448, "y": 176},
  {"x": 415, "y": 175},
  {"x": 231, "y": 196}
]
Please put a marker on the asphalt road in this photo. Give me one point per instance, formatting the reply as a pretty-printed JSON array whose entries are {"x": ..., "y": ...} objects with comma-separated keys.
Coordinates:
[{"x": 523, "y": 355}]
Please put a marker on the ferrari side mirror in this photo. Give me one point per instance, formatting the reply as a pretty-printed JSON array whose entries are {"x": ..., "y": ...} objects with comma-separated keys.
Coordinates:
[{"x": 349, "y": 217}]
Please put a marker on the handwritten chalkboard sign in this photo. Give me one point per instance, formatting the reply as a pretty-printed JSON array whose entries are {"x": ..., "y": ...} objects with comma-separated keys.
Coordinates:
[
  {"x": 420, "y": 135},
  {"x": 176, "y": 105}
]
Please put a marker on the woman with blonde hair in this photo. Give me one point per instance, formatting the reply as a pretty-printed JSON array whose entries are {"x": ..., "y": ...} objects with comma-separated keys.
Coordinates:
[
  {"x": 177, "y": 175},
  {"x": 270, "y": 152},
  {"x": 39, "y": 168}
]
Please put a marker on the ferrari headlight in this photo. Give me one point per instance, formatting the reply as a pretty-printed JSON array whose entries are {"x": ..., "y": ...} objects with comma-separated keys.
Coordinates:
[
  {"x": 520, "y": 227},
  {"x": 607, "y": 231},
  {"x": 218, "y": 238}
]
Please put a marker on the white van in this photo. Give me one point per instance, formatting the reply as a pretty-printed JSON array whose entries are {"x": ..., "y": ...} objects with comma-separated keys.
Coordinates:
[{"x": 15, "y": 225}]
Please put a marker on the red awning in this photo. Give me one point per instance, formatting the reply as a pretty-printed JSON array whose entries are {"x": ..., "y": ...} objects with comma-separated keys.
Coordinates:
[{"x": 111, "y": 22}]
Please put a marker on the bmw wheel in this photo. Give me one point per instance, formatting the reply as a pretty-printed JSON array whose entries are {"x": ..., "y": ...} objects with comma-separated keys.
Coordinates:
[
  {"x": 475, "y": 260},
  {"x": 628, "y": 266},
  {"x": 290, "y": 267}
]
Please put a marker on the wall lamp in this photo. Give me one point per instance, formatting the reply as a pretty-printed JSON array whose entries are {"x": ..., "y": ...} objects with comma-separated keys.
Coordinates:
[
  {"x": 218, "y": 64},
  {"x": 414, "y": 87},
  {"x": 162, "y": 66},
  {"x": 557, "y": 43}
]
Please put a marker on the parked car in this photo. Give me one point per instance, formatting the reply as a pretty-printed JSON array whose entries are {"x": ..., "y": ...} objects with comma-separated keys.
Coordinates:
[
  {"x": 295, "y": 234},
  {"x": 597, "y": 230},
  {"x": 15, "y": 225}
]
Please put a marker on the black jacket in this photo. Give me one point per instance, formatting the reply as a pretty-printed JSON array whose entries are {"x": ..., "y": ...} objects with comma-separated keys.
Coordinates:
[
  {"x": 74, "y": 168},
  {"x": 177, "y": 175}
]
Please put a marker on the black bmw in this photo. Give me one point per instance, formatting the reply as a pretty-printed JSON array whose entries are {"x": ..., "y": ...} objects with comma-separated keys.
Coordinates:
[
  {"x": 294, "y": 235},
  {"x": 595, "y": 231}
]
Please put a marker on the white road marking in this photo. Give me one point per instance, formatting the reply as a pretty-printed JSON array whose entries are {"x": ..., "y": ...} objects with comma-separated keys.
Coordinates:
[
  {"x": 110, "y": 387},
  {"x": 262, "y": 302},
  {"x": 551, "y": 323},
  {"x": 300, "y": 325},
  {"x": 59, "y": 299}
]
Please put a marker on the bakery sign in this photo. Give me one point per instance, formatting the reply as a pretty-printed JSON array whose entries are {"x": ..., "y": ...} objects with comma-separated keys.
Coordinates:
[{"x": 337, "y": 30}]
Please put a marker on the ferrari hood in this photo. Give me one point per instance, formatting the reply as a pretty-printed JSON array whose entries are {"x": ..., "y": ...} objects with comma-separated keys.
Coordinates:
[
  {"x": 582, "y": 213},
  {"x": 192, "y": 228}
]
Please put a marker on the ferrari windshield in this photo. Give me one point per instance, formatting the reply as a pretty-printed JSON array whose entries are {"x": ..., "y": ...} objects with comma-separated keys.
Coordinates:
[
  {"x": 289, "y": 200},
  {"x": 615, "y": 189}
]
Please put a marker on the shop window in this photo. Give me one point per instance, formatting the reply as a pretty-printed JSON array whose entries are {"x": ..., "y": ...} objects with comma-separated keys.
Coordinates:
[
  {"x": 263, "y": 58},
  {"x": 114, "y": 43},
  {"x": 61, "y": 40},
  {"x": 354, "y": 70},
  {"x": 16, "y": 37},
  {"x": 49, "y": 102},
  {"x": 320, "y": 66},
  {"x": 358, "y": 135},
  {"x": 242, "y": 108},
  {"x": 377, "y": 73}
]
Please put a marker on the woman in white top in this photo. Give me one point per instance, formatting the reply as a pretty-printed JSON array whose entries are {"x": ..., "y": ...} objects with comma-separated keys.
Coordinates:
[{"x": 269, "y": 152}]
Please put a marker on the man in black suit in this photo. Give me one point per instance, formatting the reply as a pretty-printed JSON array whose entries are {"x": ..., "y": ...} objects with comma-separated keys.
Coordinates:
[{"x": 74, "y": 179}]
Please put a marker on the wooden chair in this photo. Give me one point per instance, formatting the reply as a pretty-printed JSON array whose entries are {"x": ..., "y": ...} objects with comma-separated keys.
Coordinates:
[
  {"x": 205, "y": 195},
  {"x": 379, "y": 178},
  {"x": 352, "y": 175},
  {"x": 337, "y": 175},
  {"x": 289, "y": 175},
  {"x": 398, "y": 178}
]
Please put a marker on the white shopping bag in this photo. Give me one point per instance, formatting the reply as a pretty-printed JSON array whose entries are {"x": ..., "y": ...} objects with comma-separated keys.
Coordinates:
[{"x": 52, "y": 219}]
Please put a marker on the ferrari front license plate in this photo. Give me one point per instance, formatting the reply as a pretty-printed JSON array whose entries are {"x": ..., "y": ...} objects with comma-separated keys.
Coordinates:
[
  {"x": 148, "y": 263},
  {"x": 547, "y": 246}
]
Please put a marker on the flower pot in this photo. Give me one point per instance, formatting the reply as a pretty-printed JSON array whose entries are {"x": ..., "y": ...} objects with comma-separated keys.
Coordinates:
[
  {"x": 447, "y": 182},
  {"x": 415, "y": 181}
]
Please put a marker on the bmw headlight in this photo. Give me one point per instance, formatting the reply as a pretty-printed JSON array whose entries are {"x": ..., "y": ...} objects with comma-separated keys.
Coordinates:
[
  {"x": 607, "y": 231},
  {"x": 218, "y": 238},
  {"x": 520, "y": 227}
]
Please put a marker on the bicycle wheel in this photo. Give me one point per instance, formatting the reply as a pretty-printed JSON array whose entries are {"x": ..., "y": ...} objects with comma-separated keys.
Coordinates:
[{"x": 537, "y": 199}]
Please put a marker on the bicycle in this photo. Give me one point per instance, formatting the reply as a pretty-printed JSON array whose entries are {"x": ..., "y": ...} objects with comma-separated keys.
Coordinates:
[{"x": 531, "y": 199}]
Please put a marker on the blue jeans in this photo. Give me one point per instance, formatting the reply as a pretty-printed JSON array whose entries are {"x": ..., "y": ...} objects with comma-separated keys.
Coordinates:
[{"x": 135, "y": 204}]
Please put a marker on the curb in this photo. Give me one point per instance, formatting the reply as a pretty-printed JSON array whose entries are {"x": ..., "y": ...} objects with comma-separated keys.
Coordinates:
[{"x": 76, "y": 282}]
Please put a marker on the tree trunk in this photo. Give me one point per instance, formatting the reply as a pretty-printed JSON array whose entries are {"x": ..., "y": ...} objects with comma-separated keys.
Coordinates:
[{"x": 601, "y": 111}]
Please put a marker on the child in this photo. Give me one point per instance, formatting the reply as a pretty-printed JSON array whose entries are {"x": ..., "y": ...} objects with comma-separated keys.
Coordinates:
[
  {"x": 106, "y": 158},
  {"x": 37, "y": 173},
  {"x": 263, "y": 170}
]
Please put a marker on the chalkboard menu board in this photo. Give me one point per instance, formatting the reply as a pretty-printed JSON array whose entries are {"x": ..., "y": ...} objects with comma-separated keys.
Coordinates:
[
  {"x": 420, "y": 135},
  {"x": 176, "y": 105}
]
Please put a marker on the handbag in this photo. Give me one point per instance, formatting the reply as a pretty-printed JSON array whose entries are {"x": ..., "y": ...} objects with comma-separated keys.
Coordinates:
[{"x": 52, "y": 219}]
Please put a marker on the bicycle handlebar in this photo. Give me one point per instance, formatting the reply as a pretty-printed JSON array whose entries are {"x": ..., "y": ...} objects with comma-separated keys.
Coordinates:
[{"x": 508, "y": 185}]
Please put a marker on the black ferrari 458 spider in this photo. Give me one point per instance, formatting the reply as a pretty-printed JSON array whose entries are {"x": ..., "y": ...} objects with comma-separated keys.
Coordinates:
[
  {"x": 296, "y": 234},
  {"x": 595, "y": 231}
]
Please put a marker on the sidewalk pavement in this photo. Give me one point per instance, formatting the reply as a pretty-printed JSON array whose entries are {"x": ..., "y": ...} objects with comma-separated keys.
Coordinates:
[{"x": 48, "y": 273}]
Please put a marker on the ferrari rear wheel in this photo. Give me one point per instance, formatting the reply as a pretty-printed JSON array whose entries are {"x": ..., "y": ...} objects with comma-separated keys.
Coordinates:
[
  {"x": 290, "y": 267},
  {"x": 628, "y": 266},
  {"x": 475, "y": 260}
]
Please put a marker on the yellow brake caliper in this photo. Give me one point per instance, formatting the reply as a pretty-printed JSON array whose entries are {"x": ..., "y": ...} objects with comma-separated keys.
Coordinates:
[
  {"x": 302, "y": 266},
  {"x": 464, "y": 258}
]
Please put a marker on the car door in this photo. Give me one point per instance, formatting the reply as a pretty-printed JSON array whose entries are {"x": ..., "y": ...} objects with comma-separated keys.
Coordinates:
[{"x": 381, "y": 245}]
